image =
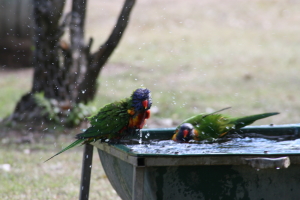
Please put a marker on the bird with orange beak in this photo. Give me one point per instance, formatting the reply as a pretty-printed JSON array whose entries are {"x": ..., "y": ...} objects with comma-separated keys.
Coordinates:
[
  {"x": 184, "y": 133},
  {"x": 117, "y": 120},
  {"x": 213, "y": 125}
]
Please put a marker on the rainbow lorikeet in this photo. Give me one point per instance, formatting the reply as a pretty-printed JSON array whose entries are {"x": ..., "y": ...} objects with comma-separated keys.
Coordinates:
[
  {"x": 117, "y": 120},
  {"x": 213, "y": 125},
  {"x": 184, "y": 133}
]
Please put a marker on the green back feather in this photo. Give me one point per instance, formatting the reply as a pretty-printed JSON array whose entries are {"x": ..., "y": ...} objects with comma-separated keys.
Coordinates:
[
  {"x": 115, "y": 114},
  {"x": 108, "y": 121},
  {"x": 210, "y": 126}
]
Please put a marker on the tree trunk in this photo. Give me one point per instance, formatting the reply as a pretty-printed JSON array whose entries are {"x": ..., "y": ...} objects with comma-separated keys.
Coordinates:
[{"x": 64, "y": 74}]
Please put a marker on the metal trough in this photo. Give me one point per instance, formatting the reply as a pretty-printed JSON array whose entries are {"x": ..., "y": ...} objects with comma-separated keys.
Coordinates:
[{"x": 204, "y": 176}]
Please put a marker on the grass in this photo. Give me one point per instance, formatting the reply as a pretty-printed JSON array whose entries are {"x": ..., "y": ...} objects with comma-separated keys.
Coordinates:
[
  {"x": 194, "y": 56},
  {"x": 30, "y": 178},
  {"x": 13, "y": 84},
  {"x": 210, "y": 54}
]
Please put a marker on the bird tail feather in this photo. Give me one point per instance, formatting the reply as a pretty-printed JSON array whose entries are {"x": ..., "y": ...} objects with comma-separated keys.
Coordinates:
[
  {"x": 68, "y": 147},
  {"x": 244, "y": 121}
]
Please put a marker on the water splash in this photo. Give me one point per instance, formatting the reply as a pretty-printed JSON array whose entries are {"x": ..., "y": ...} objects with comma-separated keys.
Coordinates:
[{"x": 234, "y": 146}]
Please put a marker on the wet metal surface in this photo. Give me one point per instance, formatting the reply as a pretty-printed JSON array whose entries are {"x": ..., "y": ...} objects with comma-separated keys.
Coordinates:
[{"x": 210, "y": 174}]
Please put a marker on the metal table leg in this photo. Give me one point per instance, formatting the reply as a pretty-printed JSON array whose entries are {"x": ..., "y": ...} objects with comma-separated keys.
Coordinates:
[
  {"x": 86, "y": 172},
  {"x": 138, "y": 183}
]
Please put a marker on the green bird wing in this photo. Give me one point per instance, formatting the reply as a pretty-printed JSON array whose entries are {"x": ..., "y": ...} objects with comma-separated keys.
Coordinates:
[
  {"x": 105, "y": 124},
  {"x": 210, "y": 126},
  {"x": 109, "y": 121}
]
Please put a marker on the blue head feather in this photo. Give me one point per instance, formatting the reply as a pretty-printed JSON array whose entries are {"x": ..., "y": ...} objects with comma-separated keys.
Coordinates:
[
  {"x": 140, "y": 95},
  {"x": 185, "y": 126}
]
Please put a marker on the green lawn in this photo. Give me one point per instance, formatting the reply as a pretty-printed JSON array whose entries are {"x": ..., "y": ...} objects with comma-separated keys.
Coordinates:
[
  {"x": 30, "y": 178},
  {"x": 195, "y": 56}
]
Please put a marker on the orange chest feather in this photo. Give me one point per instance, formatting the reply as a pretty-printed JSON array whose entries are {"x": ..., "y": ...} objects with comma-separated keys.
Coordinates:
[{"x": 138, "y": 121}]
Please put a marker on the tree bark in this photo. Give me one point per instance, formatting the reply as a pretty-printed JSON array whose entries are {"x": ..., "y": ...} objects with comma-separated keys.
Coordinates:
[
  {"x": 79, "y": 55},
  {"x": 65, "y": 73},
  {"x": 98, "y": 59}
]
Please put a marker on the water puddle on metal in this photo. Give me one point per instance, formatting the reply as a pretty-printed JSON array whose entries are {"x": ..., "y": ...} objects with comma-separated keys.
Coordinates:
[{"x": 234, "y": 146}]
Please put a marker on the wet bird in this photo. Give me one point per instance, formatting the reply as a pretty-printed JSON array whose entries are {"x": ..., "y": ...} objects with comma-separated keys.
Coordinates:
[
  {"x": 184, "y": 133},
  {"x": 116, "y": 120},
  {"x": 213, "y": 125}
]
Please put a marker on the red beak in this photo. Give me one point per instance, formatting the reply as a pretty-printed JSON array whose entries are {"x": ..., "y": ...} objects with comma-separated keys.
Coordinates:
[
  {"x": 185, "y": 133},
  {"x": 145, "y": 104}
]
